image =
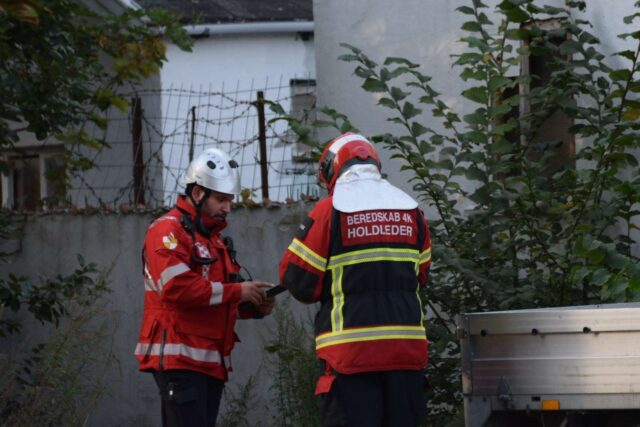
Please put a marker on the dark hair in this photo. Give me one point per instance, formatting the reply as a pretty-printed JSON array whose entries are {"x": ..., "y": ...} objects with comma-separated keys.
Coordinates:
[{"x": 189, "y": 189}]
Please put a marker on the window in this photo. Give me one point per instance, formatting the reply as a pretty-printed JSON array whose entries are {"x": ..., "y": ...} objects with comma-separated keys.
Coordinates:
[{"x": 33, "y": 179}]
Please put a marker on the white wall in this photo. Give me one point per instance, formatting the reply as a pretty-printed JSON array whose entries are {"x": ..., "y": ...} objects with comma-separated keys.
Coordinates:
[
  {"x": 237, "y": 65},
  {"x": 424, "y": 31},
  {"x": 239, "y": 59}
]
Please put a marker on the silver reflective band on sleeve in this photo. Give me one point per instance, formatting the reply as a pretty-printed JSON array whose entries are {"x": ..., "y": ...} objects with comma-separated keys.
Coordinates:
[
  {"x": 198, "y": 354},
  {"x": 149, "y": 285},
  {"x": 217, "y": 291},
  {"x": 298, "y": 248},
  {"x": 425, "y": 256},
  {"x": 370, "y": 255},
  {"x": 371, "y": 334},
  {"x": 171, "y": 272}
]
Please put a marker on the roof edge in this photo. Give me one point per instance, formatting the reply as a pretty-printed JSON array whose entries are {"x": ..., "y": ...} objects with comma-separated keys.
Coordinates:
[{"x": 204, "y": 30}]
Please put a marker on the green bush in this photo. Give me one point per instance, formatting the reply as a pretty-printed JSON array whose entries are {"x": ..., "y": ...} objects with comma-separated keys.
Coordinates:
[
  {"x": 59, "y": 381},
  {"x": 294, "y": 369}
]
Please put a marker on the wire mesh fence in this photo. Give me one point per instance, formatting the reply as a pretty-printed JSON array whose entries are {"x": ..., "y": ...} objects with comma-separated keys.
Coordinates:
[{"x": 152, "y": 144}]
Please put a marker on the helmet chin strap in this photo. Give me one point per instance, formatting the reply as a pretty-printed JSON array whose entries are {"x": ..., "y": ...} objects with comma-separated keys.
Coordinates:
[{"x": 202, "y": 229}]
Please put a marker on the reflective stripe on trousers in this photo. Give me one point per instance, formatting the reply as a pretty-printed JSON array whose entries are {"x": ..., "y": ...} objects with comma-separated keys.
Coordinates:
[{"x": 371, "y": 334}]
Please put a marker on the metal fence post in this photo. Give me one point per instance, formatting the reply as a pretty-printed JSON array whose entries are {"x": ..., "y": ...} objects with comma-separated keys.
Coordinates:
[
  {"x": 138, "y": 162},
  {"x": 193, "y": 132},
  {"x": 262, "y": 136}
]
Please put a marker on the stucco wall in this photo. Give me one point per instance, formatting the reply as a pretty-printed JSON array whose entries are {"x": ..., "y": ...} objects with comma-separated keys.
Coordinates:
[{"x": 49, "y": 246}]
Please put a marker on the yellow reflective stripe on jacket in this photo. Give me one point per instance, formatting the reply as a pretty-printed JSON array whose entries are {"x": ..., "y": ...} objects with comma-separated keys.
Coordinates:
[
  {"x": 371, "y": 255},
  {"x": 337, "y": 321},
  {"x": 371, "y": 334},
  {"x": 425, "y": 256},
  {"x": 309, "y": 256}
]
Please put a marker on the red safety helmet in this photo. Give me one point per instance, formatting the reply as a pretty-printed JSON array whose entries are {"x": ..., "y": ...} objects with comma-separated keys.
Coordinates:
[{"x": 341, "y": 153}]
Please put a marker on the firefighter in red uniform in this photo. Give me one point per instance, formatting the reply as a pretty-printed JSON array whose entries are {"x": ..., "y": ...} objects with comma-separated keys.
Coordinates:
[
  {"x": 363, "y": 253},
  {"x": 192, "y": 292}
]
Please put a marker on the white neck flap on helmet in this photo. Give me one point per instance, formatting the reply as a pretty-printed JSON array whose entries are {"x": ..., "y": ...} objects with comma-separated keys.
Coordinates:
[{"x": 361, "y": 188}]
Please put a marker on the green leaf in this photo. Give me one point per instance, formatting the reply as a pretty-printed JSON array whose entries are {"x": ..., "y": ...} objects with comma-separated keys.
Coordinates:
[
  {"x": 402, "y": 61},
  {"x": 386, "y": 102},
  {"x": 634, "y": 87},
  {"x": 580, "y": 273},
  {"x": 570, "y": 47},
  {"x": 348, "y": 58},
  {"x": 518, "y": 34},
  {"x": 476, "y": 94},
  {"x": 620, "y": 75},
  {"x": 385, "y": 74},
  {"x": 470, "y": 73},
  {"x": 596, "y": 256},
  {"x": 475, "y": 156},
  {"x": 351, "y": 48},
  {"x": 466, "y": 10},
  {"x": 634, "y": 283},
  {"x": 629, "y": 19},
  {"x": 516, "y": 14},
  {"x": 616, "y": 261},
  {"x": 476, "y": 42},
  {"x": 374, "y": 85},
  {"x": 473, "y": 173},
  {"x": 476, "y": 119},
  {"x": 567, "y": 103},
  {"x": 471, "y": 26},
  {"x": 631, "y": 114},
  {"x": 588, "y": 38},
  {"x": 363, "y": 72},
  {"x": 398, "y": 94},
  {"x": 480, "y": 196},
  {"x": 409, "y": 111},
  {"x": 475, "y": 137},
  {"x": 469, "y": 58},
  {"x": 497, "y": 82},
  {"x": 121, "y": 103},
  {"x": 501, "y": 146},
  {"x": 483, "y": 19},
  {"x": 600, "y": 277},
  {"x": 417, "y": 129}
]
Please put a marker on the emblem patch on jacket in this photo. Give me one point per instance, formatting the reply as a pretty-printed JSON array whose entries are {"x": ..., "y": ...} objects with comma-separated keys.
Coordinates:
[
  {"x": 203, "y": 251},
  {"x": 391, "y": 226},
  {"x": 170, "y": 241}
]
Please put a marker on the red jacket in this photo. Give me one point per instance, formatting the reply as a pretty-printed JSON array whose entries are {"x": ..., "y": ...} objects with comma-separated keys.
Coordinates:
[
  {"x": 365, "y": 268},
  {"x": 190, "y": 309}
]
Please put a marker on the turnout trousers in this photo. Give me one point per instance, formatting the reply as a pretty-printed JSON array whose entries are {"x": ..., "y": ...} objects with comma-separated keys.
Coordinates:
[
  {"x": 189, "y": 398},
  {"x": 375, "y": 399}
]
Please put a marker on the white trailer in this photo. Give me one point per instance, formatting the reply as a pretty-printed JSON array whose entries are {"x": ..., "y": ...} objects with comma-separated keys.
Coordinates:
[{"x": 565, "y": 366}]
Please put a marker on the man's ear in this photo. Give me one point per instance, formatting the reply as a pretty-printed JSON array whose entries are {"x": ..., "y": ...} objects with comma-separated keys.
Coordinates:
[{"x": 197, "y": 193}]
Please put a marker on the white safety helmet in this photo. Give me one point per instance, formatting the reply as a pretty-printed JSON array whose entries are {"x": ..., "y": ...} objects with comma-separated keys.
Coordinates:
[{"x": 215, "y": 170}]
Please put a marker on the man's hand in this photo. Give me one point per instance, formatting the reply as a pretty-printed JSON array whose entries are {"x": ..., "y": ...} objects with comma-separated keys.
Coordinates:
[
  {"x": 267, "y": 306},
  {"x": 255, "y": 292}
]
